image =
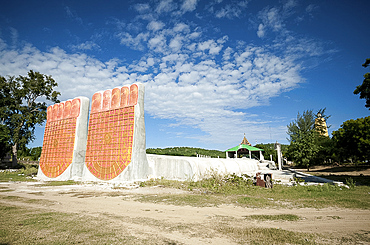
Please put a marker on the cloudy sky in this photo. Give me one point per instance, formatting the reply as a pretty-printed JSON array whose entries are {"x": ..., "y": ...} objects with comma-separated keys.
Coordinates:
[{"x": 213, "y": 69}]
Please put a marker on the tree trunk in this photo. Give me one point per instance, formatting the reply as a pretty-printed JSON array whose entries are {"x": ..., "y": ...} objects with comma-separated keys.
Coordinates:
[{"x": 14, "y": 156}]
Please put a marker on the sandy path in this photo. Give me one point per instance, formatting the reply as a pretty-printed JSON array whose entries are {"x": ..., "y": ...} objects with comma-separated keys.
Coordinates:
[{"x": 148, "y": 219}]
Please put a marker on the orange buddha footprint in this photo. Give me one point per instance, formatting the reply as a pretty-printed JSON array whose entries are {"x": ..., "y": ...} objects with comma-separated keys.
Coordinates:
[{"x": 111, "y": 131}]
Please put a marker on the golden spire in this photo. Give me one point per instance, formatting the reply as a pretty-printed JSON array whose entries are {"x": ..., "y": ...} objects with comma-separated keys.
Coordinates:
[
  {"x": 245, "y": 141},
  {"x": 320, "y": 125}
]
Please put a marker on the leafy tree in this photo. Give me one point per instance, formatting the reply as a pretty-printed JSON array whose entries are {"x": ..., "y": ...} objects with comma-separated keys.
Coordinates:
[
  {"x": 4, "y": 141},
  {"x": 352, "y": 140},
  {"x": 364, "y": 88},
  {"x": 31, "y": 153},
  {"x": 306, "y": 140},
  {"x": 35, "y": 153},
  {"x": 21, "y": 108}
]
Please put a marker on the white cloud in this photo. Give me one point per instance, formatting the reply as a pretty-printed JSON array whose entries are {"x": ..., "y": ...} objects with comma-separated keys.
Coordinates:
[
  {"x": 88, "y": 45},
  {"x": 234, "y": 9},
  {"x": 261, "y": 30},
  {"x": 133, "y": 42},
  {"x": 155, "y": 25},
  {"x": 289, "y": 5},
  {"x": 165, "y": 6},
  {"x": 142, "y": 7},
  {"x": 157, "y": 43},
  {"x": 184, "y": 81},
  {"x": 181, "y": 27},
  {"x": 14, "y": 37},
  {"x": 210, "y": 45},
  {"x": 76, "y": 74},
  {"x": 176, "y": 43},
  {"x": 189, "y": 5},
  {"x": 275, "y": 19},
  {"x": 71, "y": 14}
]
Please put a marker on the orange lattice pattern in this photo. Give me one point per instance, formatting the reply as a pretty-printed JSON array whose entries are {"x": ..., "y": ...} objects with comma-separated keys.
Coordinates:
[
  {"x": 59, "y": 137},
  {"x": 111, "y": 130}
]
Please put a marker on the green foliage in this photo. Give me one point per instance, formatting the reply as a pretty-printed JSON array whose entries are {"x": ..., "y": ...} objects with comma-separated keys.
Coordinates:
[
  {"x": 23, "y": 174},
  {"x": 364, "y": 88},
  {"x": 20, "y": 107},
  {"x": 186, "y": 151},
  {"x": 4, "y": 141},
  {"x": 350, "y": 182},
  {"x": 28, "y": 171},
  {"x": 213, "y": 182},
  {"x": 35, "y": 153},
  {"x": 352, "y": 141},
  {"x": 31, "y": 153},
  {"x": 222, "y": 184},
  {"x": 307, "y": 145}
]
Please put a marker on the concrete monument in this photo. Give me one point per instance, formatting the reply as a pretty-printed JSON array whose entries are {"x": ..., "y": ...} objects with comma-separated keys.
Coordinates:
[
  {"x": 116, "y": 136},
  {"x": 111, "y": 146},
  {"x": 64, "y": 146}
]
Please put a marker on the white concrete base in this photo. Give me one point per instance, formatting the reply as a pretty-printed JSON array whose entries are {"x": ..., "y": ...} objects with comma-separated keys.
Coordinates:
[{"x": 195, "y": 168}]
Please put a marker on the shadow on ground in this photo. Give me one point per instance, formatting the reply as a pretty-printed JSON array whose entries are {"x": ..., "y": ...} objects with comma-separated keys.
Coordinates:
[
  {"x": 358, "y": 180},
  {"x": 360, "y": 175}
]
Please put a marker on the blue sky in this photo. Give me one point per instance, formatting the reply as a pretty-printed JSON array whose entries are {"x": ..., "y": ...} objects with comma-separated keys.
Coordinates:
[{"x": 213, "y": 70}]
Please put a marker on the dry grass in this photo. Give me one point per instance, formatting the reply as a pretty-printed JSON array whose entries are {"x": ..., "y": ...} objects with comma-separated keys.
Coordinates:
[{"x": 19, "y": 225}]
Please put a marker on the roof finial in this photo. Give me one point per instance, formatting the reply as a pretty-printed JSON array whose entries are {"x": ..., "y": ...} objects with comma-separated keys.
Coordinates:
[{"x": 245, "y": 141}]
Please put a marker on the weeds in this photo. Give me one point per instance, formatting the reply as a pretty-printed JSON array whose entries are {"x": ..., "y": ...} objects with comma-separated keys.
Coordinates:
[
  {"x": 278, "y": 217},
  {"x": 212, "y": 183},
  {"x": 59, "y": 183},
  {"x": 26, "y": 173},
  {"x": 350, "y": 182},
  {"x": 266, "y": 235},
  {"x": 239, "y": 190}
]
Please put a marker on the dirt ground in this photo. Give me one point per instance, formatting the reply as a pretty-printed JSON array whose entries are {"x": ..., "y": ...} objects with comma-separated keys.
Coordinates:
[{"x": 143, "y": 219}]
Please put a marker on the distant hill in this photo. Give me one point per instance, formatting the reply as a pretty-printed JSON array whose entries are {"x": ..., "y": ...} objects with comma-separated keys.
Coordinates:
[{"x": 186, "y": 151}]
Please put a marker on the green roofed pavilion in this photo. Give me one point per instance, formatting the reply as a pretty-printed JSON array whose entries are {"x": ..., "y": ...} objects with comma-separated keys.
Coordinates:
[{"x": 243, "y": 148}]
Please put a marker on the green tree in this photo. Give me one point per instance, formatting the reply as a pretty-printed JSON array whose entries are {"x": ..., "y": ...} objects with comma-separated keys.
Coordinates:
[
  {"x": 364, "y": 88},
  {"x": 4, "y": 141},
  {"x": 352, "y": 141},
  {"x": 4, "y": 132},
  {"x": 306, "y": 140},
  {"x": 31, "y": 153},
  {"x": 35, "y": 153},
  {"x": 22, "y": 107}
]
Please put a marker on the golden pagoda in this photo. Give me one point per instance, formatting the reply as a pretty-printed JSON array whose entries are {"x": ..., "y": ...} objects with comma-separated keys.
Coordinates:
[{"x": 320, "y": 125}]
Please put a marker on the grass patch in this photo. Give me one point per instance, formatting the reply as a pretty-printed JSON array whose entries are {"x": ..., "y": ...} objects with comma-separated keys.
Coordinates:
[
  {"x": 20, "y": 225},
  {"x": 5, "y": 189},
  {"x": 18, "y": 175},
  {"x": 240, "y": 191},
  {"x": 277, "y": 217},
  {"x": 13, "y": 198},
  {"x": 195, "y": 200},
  {"x": 266, "y": 235},
  {"x": 59, "y": 183},
  {"x": 26, "y": 200}
]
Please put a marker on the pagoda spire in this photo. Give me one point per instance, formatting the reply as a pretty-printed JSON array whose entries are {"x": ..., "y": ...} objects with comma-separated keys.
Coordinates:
[{"x": 245, "y": 141}]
